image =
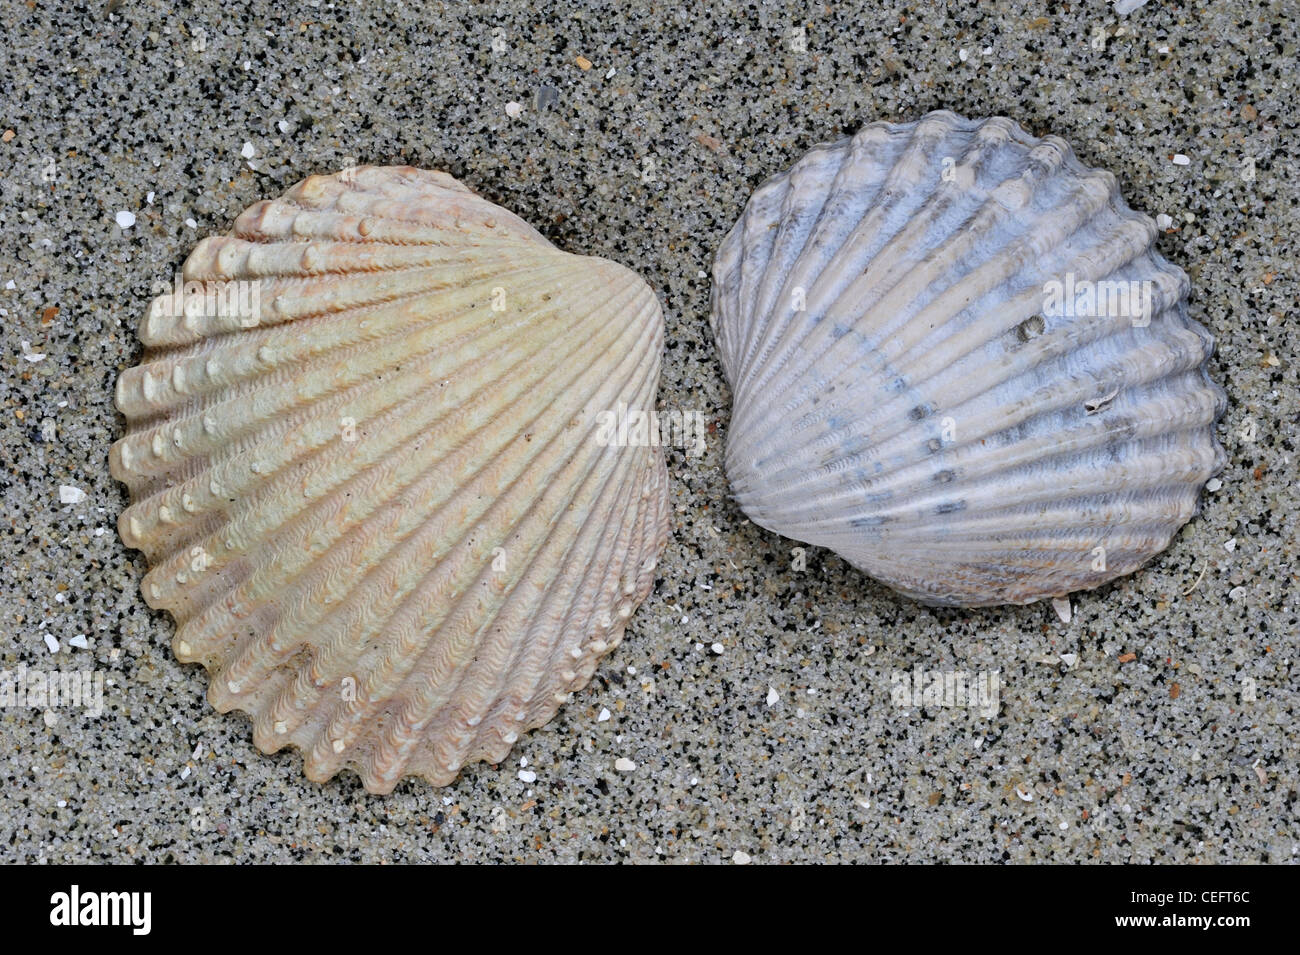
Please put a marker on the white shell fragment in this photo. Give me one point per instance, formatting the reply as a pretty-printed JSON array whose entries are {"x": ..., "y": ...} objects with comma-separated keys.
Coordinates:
[
  {"x": 363, "y": 459},
  {"x": 957, "y": 361}
]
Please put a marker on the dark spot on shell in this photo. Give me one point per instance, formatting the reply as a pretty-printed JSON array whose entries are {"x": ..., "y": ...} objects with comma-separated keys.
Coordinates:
[
  {"x": 1030, "y": 328},
  {"x": 868, "y": 521}
]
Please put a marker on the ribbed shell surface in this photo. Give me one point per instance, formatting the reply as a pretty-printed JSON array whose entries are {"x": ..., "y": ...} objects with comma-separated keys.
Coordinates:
[
  {"x": 957, "y": 361},
  {"x": 363, "y": 456}
]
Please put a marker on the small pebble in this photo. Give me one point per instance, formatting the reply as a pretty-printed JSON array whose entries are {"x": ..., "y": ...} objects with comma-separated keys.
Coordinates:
[
  {"x": 527, "y": 776},
  {"x": 740, "y": 858},
  {"x": 624, "y": 765},
  {"x": 1062, "y": 607},
  {"x": 514, "y": 110},
  {"x": 71, "y": 495},
  {"x": 546, "y": 97},
  {"x": 51, "y": 643},
  {"x": 604, "y": 715},
  {"x": 125, "y": 219}
]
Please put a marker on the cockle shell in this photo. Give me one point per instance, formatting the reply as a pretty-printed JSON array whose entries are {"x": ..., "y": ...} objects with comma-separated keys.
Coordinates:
[
  {"x": 957, "y": 361},
  {"x": 363, "y": 459}
]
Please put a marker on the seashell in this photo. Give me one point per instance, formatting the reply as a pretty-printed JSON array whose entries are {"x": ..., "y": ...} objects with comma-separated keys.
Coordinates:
[
  {"x": 958, "y": 362},
  {"x": 365, "y": 464}
]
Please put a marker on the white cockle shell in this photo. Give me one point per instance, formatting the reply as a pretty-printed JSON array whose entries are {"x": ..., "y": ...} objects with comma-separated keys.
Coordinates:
[
  {"x": 364, "y": 459},
  {"x": 957, "y": 361}
]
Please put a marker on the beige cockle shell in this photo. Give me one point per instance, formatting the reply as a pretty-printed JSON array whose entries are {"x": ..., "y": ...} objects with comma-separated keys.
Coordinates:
[
  {"x": 364, "y": 464},
  {"x": 958, "y": 361}
]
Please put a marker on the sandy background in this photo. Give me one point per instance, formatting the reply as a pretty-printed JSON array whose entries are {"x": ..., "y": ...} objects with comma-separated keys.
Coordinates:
[{"x": 146, "y": 108}]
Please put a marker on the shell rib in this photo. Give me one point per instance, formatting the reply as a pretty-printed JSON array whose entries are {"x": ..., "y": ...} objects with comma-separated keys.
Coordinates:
[
  {"x": 913, "y": 389},
  {"x": 364, "y": 464}
]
